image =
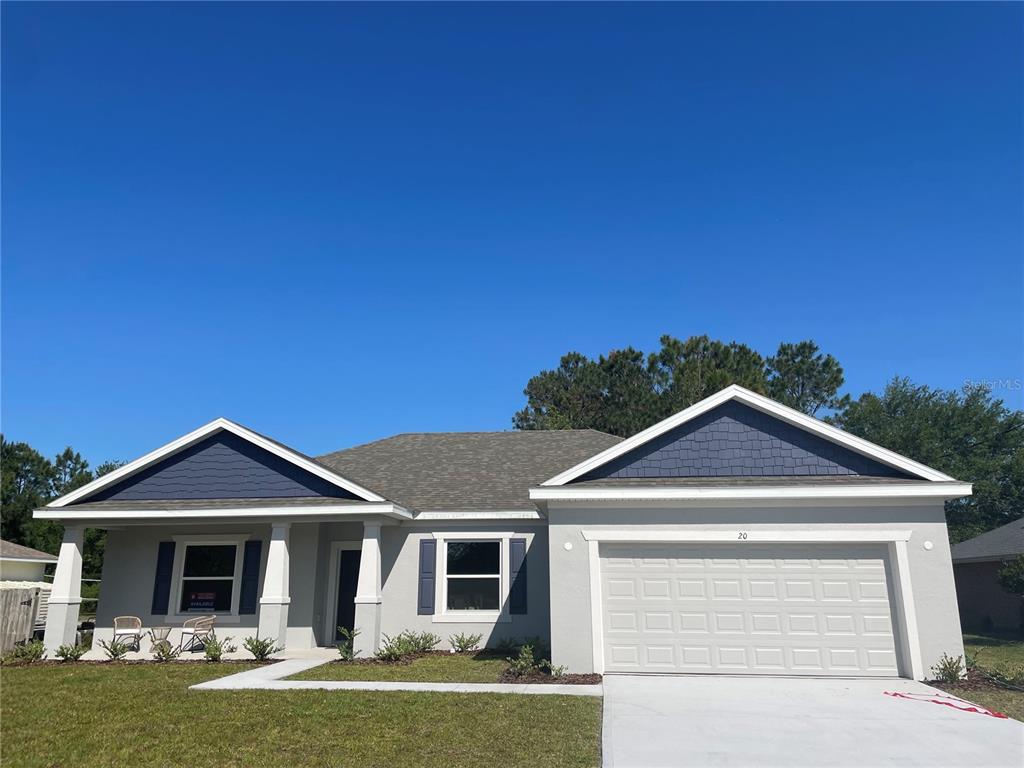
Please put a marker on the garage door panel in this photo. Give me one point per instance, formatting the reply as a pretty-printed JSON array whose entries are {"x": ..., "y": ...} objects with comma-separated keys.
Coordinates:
[{"x": 753, "y": 609}]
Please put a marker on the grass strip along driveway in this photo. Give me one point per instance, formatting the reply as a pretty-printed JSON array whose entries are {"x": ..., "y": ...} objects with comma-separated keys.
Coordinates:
[
  {"x": 429, "y": 668},
  {"x": 121, "y": 714}
]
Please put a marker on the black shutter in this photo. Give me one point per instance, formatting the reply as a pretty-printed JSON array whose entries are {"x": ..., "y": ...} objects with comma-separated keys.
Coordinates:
[
  {"x": 517, "y": 575},
  {"x": 249, "y": 592},
  {"x": 428, "y": 577},
  {"x": 162, "y": 583}
]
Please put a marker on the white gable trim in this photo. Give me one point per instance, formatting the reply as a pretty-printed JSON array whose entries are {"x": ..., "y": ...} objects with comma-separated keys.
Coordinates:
[
  {"x": 765, "y": 405},
  {"x": 217, "y": 425}
]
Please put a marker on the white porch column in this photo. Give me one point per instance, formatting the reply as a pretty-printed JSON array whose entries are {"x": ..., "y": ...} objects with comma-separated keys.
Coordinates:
[
  {"x": 276, "y": 597},
  {"x": 368, "y": 593},
  {"x": 66, "y": 595}
]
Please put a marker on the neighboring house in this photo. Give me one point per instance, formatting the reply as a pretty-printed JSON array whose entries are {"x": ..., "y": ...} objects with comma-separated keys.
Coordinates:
[
  {"x": 738, "y": 536},
  {"x": 976, "y": 564},
  {"x": 18, "y": 563},
  {"x": 22, "y": 571}
]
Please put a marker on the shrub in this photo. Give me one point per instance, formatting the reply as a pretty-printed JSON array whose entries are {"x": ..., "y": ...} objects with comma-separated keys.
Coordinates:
[
  {"x": 949, "y": 669},
  {"x": 406, "y": 643},
  {"x": 214, "y": 647},
  {"x": 71, "y": 652},
  {"x": 426, "y": 641},
  {"x": 115, "y": 649},
  {"x": 398, "y": 647},
  {"x": 261, "y": 648},
  {"x": 972, "y": 660},
  {"x": 347, "y": 646},
  {"x": 539, "y": 645},
  {"x": 553, "y": 670},
  {"x": 523, "y": 663},
  {"x": 463, "y": 643},
  {"x": 164, "y": 651},
  {"x": 28, "y": 652},
  {"x": 1012, "y": 677}
]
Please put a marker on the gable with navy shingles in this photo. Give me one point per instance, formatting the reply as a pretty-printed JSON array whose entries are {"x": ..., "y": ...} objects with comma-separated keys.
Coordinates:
[
  {"x": 735, "y": 440},
  {"x": 222, "y": 466}
]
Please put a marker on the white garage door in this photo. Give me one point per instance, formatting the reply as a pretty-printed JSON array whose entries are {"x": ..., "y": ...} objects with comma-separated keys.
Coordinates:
[{"x": 757, "y": 609}]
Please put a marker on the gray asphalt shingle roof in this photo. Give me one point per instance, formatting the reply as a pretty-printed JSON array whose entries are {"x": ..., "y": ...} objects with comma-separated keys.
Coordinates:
[
  {"x": 471, "y": 471},
  {"x": 1003, "y": 542},
  {"x": 19, "y": 552}
]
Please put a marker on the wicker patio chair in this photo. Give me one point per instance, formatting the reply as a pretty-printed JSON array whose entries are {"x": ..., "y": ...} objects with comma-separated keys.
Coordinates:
[
  {"x": 195, "y": 632},
  {"x": 128, "y": 629}
]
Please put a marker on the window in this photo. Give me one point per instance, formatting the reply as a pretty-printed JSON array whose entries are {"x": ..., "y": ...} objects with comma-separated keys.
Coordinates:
[
  {"x": 208, "y": 578},
  {"x": 473, "y": 575}
]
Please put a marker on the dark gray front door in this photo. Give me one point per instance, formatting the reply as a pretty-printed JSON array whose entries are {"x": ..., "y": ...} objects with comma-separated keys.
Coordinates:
[{"x": 348, "y": 576}]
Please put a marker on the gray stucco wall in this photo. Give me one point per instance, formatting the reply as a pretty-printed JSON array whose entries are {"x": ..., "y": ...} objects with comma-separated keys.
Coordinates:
[
  {"x": 400, "y": 555},
  {"x": 223, "y": 466},
  {"x": 931, "y": 571},
  {"x": 737, "y": 440},
  {"x": 130, "y": 569}
]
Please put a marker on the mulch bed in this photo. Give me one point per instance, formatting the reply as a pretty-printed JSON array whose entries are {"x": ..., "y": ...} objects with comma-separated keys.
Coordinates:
[
  {"x": 976, "y": 680},
  {"x": 130, "y": 662},
  {"x": 542, "y": 677}
]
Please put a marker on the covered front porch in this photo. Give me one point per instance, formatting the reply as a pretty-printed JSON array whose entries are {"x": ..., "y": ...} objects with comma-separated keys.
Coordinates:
[{"x": 290, "y": 575}]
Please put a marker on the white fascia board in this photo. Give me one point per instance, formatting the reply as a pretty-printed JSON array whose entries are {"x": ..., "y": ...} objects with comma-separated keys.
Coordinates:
[
  {"x": 40, "y": 560},
  {"x": 511, "y": 514},
  {"x": 194, "y": 437},
  {"x": 766, "y": 405},
  {"x": 909, "y": 491},
  {"x": 751, "y": 536},
  {"x": 386, "y": 509}
]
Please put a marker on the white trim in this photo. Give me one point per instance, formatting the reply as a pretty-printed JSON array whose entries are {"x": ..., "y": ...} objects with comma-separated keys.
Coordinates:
[
  {"x": 182, "y": 543},
  {"x": 331, "y": 604},
  {"x": 441, "y": 613},
  {"x": 908, "y": 610},
  {"x": 898, "y": 557},
  {"x": 596, "y": 607},
  {"x": 471, "y": 515},
  {"x": 751, "y": 536},
  {"x": 217, "y": 425},
  {"x": 38, "y": 560},
  {"x": 694, "y": 493},
  {"x": 766, "y": 405},
  {"x": 350, "y": 510}
]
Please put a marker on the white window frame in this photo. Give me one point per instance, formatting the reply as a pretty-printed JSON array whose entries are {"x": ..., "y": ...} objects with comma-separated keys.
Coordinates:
[
  {"x": 181, "y": 543},
  {"x": 441, "y": 613}
]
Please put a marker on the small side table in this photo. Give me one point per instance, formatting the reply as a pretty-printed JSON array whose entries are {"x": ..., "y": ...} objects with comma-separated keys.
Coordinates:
[{"x": 159, "y": 635}]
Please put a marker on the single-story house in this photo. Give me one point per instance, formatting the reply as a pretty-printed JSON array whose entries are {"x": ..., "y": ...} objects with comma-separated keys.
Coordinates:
[
  {"x": 738, "y": 536},
  {"x": 20, "y": 563},
  {"x": 976, "y": 565}
]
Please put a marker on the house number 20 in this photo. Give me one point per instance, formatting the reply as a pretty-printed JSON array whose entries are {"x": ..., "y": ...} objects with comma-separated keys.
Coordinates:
[{"x": 742, "y": 536}]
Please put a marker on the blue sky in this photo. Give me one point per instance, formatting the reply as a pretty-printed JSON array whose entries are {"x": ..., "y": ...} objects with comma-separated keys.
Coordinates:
[{"x": 337, "y": 222}]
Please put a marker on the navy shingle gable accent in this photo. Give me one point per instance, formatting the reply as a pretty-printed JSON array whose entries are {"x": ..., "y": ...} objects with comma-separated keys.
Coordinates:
[
  {"x": 735, "y": 440},
  {"x": 222, "y": 466}
]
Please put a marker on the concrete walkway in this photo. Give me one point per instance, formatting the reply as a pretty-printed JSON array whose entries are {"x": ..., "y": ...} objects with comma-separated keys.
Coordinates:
[
  {"x": 270, "y": 678},
  {"x": 693, "y": 721}
]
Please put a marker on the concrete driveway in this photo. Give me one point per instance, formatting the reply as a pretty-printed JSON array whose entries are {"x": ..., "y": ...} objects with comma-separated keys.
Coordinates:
[{"x": 748, "y": 721}]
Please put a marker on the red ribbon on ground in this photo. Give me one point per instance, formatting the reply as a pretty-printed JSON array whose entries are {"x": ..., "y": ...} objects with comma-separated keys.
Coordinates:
[{"x": 948, "y": 701}]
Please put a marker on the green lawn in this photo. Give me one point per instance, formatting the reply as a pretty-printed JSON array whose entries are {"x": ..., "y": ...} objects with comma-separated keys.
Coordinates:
[
  {"x": 107, "y": 715},
  {"x": 432, "y": 668},
  {"x": 996, "y": 650}
]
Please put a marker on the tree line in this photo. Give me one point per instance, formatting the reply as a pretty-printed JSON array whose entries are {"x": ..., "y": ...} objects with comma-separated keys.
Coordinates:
[
  {"x": 28, "y": 481},
  {"x": 968, "y": 434}
]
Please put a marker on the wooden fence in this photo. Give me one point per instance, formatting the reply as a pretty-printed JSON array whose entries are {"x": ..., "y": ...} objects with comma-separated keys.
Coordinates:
[{"x": 18, "y": 608}]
